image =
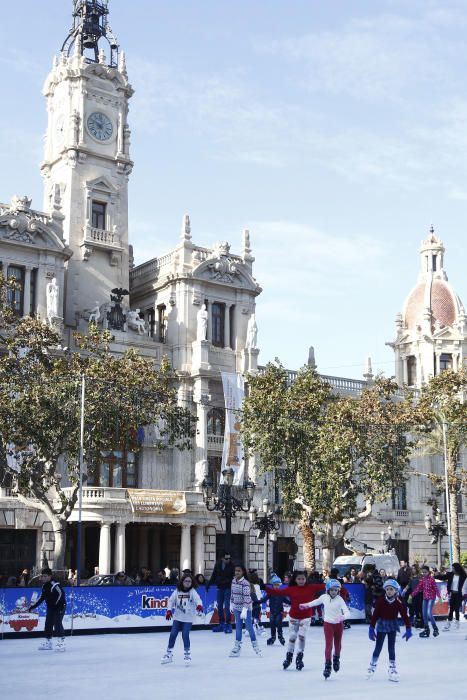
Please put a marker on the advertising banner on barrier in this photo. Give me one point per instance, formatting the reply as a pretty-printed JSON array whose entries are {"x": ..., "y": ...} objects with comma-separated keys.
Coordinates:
[{"x": 126, "y": 607}]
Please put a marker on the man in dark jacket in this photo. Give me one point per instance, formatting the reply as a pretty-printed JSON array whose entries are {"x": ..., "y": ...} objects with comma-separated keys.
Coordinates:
[
  {"x": 221, "y": 577},
  {"x": 54, "y": 597},
  {"x": 404, "y": 573}
]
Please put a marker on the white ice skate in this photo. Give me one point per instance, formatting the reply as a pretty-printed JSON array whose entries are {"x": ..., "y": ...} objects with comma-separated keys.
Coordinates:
[
  {"x": 256, "y": 648},
  {"x": 456, "y": 624},
  {"x": 60, "y": 646},
  {"x": 371, "y": 671},
  {"x": 447, "y": 626},
  {"x": 167, "y": 658},
  {"x": 45, "y": 645},
  {"x": 236, "y": 649},
  {"x": 392, "y": 673},
  {"x": 187, "y": 658}
]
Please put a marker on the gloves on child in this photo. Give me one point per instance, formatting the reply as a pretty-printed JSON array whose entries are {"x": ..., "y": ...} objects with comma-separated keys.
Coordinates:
[
  {"x": 372, "y": 634},
  {"x": 244, "y": 613},
  {"x": 199, "y": 609},
  {"x": 168, "y": 615},
  {"x": 407, "y": 635}
]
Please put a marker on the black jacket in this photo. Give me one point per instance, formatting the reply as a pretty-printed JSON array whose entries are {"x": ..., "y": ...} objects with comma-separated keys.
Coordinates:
[
  {"x": 222, "y": 575},
  {"x": 449, "y": 578},
  {"x": 53, "y": 595},
  {"x": 403, "y": 576}
]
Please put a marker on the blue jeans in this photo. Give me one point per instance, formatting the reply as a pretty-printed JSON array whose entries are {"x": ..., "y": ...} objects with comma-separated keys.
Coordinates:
[
  {"x": 248, "y": 625},
  {"x": 380, "y": 636},
  {"x": 184, "y": 628},
  {"x": 223, "y": 605},
  {"x": 427, "y": 609}
]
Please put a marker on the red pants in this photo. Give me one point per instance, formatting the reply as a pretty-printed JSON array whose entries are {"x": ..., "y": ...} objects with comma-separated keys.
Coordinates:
[{"x": 333, "y": 633}]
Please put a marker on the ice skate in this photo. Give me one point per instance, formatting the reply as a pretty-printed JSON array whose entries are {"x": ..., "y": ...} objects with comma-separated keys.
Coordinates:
[
  {"x": 228, "y": 628},
  {"x": 435, "y": 631},
  {"x": 447, "y": 626},
  {"x": 392, "y": 672},
  {"x": 271, "y": 641},
  {"x": 425, "y": 633},
  {"x": 167, "y": 658},
  {"x": 256, "y": 648},
  {"x": 327, "y": 670},
  {"x": 60, "y": 646},
  {"x": 336, "y": 663},
  {"x": 45, "y": 645},
  {"x": 187, "y": 658},
  {"x": 287, "y": 661},
  {"x": 371, "y": 670},
  {"x": 456, "y": 624},
  {"x": 282, "y": 640},
  {"x": 299, "y": 661},
  {"x": 218, "y": 628},
  {"x": 237, "y": 647}
]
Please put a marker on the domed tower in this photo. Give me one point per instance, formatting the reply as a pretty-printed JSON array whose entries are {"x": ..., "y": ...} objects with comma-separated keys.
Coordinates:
[{"x": 431, "y": 330}]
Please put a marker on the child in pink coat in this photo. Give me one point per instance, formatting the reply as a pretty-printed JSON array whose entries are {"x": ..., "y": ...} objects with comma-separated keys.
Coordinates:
[{"x": 427, "y": 585}]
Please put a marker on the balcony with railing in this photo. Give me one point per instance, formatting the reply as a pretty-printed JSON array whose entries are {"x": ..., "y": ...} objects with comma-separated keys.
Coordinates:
[{"x": 215, "y": 443}]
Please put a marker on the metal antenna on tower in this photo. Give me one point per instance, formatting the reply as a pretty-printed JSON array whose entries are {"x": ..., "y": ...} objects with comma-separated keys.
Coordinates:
[{"x": 90, "y": 25}]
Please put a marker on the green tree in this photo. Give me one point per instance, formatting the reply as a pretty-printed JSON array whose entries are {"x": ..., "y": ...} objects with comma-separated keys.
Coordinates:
[
  {"x": 336, "y": 456},
  {"x": 442, "y": 413},
  {"x": 40, "y": 393}
]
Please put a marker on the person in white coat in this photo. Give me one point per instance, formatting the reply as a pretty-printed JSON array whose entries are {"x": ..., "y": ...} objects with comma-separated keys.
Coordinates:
[
  {"x": 183, "y": 606},
  {"x": 335, "y": 611}
]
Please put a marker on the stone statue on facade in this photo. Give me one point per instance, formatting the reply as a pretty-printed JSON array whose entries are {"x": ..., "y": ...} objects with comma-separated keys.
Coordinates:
[
  {"x": 202, "y": 323},
  {"x": 95, "y": 315},
  {"x": 52, "y": 299},
  {"x": 135, "y": 322},
  {"x": 252, "y": 333}
]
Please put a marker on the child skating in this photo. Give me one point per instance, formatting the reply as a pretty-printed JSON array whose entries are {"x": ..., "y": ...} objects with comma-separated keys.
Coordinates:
[
  {"x": 54, "y": 597},
  {"x": 427, "y": 585},
  {"x": 241, "y": 605},
  {"x": 184, "y": 604},
  {"x": 298, "y": 592},
  {"x": 335, "y": 612},
  {"x": 276, "y": 612},
  {"x": 384, "y": 623}
]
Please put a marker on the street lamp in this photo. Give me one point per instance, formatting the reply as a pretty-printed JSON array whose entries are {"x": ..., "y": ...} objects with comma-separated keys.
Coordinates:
[
  {"x": 267, "y": 528},
  {"x": 388, "y": 539},
  {"x": 225, "y": 502},
  {"x": 435, "y": 527}
]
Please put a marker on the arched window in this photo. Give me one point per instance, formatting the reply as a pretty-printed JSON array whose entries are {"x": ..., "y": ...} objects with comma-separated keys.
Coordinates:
[{"x": 216, "y": 421}]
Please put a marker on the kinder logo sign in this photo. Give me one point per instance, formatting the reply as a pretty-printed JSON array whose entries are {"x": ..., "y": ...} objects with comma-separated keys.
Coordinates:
[{"x": 148, "y": 602}]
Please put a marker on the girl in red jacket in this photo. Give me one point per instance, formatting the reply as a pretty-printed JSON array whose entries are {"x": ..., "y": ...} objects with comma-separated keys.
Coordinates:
[
  {"x": 427, "y": 585},
  {"x": 298, "y": 591}
]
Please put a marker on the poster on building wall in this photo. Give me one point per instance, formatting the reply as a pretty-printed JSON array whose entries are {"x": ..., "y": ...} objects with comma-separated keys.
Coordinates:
[
  {"x": 154, "y": 502},
  {"x": 232, "y": 454}
]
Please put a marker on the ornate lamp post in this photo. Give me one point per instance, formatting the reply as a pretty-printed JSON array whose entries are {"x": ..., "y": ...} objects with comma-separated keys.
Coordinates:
[
  {"x": 225, "y": 502},
  {"x": 436, "y": 528},
  {"x": 267, "y": 528}
]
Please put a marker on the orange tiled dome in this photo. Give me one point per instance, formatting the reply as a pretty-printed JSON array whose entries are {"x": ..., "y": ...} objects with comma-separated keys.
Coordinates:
[{"x": 442, "y": 304}]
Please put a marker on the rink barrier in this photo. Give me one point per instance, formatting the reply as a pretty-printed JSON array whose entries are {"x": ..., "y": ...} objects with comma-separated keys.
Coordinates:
[{"x": 106, "y": 609}]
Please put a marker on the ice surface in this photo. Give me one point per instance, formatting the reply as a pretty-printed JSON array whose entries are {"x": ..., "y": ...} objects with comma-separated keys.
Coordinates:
[{"x": 123, "y": 666}]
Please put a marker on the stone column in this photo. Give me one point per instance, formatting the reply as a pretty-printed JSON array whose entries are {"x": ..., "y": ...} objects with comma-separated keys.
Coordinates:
[
  {"x": 227, "y": 326},
  {"x": 104, "y": 549},
  {"x": 143, "y": 546},
  {"x": 27, "y": 292},
  {"x": 120, "y": 553},
  {"x": 404, "y": 369},
  {"x": 185, "y": 547},
  {"x": 209, "y": 310},
  {"x": 199, "y": 549},
  {"x": 437, "y": 360}
]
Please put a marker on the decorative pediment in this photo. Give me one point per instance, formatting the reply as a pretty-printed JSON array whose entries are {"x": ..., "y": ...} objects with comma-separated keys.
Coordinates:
[
  {"x": 101, "y": 183},
  {"x": 20, "y": 224},
  {"x": 224, "y": 268}
]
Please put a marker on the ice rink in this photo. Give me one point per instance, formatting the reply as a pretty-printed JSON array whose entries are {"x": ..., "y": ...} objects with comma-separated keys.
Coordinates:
[{"x": 123, "y": 666}]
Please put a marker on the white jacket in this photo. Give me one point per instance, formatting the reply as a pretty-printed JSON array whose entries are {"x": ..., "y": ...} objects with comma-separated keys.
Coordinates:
[
  {"x": 335, "y": 609},
  {"x": 185, "y": 604}
]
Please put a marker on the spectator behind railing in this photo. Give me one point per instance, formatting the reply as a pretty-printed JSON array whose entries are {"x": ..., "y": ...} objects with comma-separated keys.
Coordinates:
[
  {"x": 200, "y": 581},
  {"x": 144, "y": 577},
  {"x": 121, "y": 579}
]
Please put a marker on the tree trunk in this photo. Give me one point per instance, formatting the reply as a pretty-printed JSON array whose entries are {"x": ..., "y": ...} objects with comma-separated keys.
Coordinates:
[
  {"x": 59, "y": 525},
  {"x": 454, "y": 505},
  {"x": 328, "y": 542},
  {"x": 308, "y": 543}
]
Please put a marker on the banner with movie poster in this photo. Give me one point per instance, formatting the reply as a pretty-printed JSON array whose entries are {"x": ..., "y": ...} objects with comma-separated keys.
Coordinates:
[{"x": 232, "y": 455}]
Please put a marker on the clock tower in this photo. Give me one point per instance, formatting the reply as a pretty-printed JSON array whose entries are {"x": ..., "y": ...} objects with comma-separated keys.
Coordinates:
[{"x": 87, "y": 157}]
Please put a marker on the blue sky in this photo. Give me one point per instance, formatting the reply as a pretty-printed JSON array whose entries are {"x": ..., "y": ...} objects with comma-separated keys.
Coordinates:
[{"x": 335, "y": 131}]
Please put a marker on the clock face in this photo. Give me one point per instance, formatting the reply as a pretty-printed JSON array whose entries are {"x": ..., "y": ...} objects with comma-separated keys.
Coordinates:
[{"x": 100, "y": 126}]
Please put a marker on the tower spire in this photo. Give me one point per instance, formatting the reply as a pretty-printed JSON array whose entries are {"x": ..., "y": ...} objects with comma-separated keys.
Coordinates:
[{"x": 90, "y": 25}]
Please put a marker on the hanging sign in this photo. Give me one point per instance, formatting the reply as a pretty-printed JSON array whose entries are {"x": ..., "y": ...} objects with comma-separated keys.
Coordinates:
[
  {"x": 154, "y": 502},
  {"x": 232, "y": 455}
]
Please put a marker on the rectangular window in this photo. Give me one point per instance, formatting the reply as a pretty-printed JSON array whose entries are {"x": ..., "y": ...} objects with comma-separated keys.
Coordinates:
[
  {"x": 399, "y": 497},
  {"x": 433, "y": 258},
  {"x": 161, "y": 323},
  {"x": 217, "y": 323},
  {"x": 117, "y": 470},
  {"x": 98, "y": 215},
  {"x": 15, "y": 297},
  {"x": 445, "y": 362},
  {"x": 33, "y": 293},
  {"x": 232, "y": 327},
  {"x": 411, "y": 370},
  {"x": 151, "y": 322}
]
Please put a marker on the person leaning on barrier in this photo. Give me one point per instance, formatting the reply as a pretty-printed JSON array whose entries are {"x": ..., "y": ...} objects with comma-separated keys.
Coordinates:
[{"x": 121, "y": 579}]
